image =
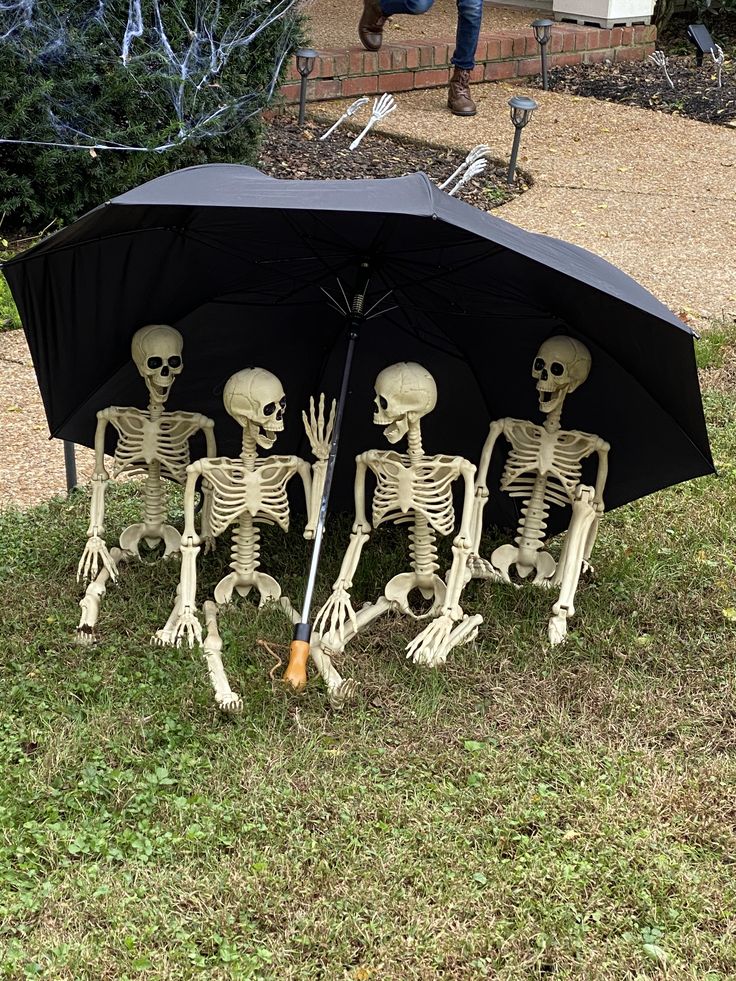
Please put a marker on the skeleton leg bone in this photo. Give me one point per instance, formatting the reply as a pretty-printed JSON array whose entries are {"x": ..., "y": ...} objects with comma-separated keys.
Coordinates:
[
  {"x": 227, "y": 700},
  {"x": 90, "y": 602},
  {"x": 342, "y": 691},
  {"x": 577, "y": 544}
]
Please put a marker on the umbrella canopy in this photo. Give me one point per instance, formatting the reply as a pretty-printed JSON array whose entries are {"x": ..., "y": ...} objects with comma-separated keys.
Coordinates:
[{"x": 239, "y": 262}]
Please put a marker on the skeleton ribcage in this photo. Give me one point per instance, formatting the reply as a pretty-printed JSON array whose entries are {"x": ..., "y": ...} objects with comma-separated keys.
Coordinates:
[
  {"x": 260, "y": 492},
  {"x": 142, "y": 441},
  {"x": 403, "y": 490},
  {"x": 555, "y": 456}
]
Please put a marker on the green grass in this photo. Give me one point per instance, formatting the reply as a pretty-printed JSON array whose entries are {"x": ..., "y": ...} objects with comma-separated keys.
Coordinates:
[
  {"x": 522, "y": 813},
  {"x": 9, "y": 319}
]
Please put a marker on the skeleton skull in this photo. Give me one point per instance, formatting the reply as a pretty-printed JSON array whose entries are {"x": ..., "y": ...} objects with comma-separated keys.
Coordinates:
[
  {"x": 156, "y": 350},
  {"x": 255, "y": 399},
  {"x": 404, "y": 393},
  {"x": 561, "y": 364}
]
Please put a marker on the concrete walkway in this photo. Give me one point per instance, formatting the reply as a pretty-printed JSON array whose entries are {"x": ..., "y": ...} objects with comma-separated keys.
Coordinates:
[{"x": 654, "y": 194}]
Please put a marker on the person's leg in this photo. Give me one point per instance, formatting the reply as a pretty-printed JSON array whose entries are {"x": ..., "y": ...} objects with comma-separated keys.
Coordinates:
[
  {"x": 469, "y": 17},
  {"x": 375, "y": 12}
]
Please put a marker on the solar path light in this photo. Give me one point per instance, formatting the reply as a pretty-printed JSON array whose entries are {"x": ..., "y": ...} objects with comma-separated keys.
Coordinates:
[
  {"x": 522, "y": 108},
  {"x": 304, "y": 65},
  {"x": 543, "y": 32}
]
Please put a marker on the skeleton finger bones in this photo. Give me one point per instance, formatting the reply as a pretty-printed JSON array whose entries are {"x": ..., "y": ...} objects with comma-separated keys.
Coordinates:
[{"x": 381, "y": 108}]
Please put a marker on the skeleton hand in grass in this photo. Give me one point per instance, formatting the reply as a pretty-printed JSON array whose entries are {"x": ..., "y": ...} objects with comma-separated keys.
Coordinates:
[
  {"x": 381, "y": 108},
  {"x": 95, "y": 558}
]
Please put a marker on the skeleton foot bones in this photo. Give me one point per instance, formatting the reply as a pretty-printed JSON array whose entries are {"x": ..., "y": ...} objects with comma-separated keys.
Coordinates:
[
  {"x": 245, "y": 491},
  {"x": 152, "y": 443},
  {"x": 544, "y": 468}
]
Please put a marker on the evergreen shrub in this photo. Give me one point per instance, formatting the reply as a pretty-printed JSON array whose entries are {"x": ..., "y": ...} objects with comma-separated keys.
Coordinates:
[{"x": 64, "y": 81}]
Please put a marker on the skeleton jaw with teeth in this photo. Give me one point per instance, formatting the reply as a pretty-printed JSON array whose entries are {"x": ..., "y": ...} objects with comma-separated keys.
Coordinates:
[
  {"x": 560, "y": 366},
  {"x": 404, "y": 393},
  {"x": 156, "y": 350},
  {"x": 255, "y": 399}
]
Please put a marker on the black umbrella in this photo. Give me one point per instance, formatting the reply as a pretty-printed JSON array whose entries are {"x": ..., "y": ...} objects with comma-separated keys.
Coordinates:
[{"x": 288, "y": 275}]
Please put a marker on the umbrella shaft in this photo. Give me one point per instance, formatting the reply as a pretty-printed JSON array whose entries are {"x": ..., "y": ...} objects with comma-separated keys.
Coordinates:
[{"x": 352, "y": 338}]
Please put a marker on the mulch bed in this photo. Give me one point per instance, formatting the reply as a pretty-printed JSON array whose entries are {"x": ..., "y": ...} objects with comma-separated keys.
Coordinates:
[
  {"x": 290, "y": 152},
  {"x": 642, "y": 83}
]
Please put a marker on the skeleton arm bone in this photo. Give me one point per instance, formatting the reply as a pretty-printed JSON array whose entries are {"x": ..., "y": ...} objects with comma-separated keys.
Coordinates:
[
  {"x": 187, "y": 625},
  {"x": 95, "y": 553},
  {"x": 603, "y": 450},
  {"x": 481, "y": 485},
  {"x": 338, "y": 609},
  {"x": 208, "y": 427},
  {"x": 461, "y": 547},
  {"x": 319, "y": 434}
]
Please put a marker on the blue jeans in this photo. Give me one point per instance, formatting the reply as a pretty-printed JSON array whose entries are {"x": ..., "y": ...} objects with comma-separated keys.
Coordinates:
[{"x": 469, "y": 16}]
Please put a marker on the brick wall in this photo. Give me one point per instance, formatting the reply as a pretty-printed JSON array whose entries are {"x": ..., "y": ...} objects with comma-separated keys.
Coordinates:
[{"x": 400, "y": 67}]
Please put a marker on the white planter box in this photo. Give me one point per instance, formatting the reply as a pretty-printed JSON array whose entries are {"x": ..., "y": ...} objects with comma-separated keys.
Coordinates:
[{"x": 604, "y": 13}]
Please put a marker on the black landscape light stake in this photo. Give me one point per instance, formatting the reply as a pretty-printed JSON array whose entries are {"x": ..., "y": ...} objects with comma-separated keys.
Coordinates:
[
  {"x": 543, "y": 32},
  {"x": 304, "y": 65},
  {"x": 522, "y": 108}
]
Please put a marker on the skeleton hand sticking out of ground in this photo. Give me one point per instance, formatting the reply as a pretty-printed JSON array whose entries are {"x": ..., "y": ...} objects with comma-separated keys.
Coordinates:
[
  {"x": 477, "y": 153},
  {"x": 381, "y": 108},
  {"x": 350, "y": 111}
]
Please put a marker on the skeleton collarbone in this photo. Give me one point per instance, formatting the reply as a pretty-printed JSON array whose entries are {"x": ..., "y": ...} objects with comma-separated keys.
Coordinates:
[
  {"x": 143, "y": 440},
  {"x": 555, "y": 457},
  {"x": 238, "y": 491},
  {"x": 405, "y": 488}
]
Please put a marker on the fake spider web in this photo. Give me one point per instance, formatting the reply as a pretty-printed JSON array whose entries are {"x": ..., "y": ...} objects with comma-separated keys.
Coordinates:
[{"x": 187, "y": 59}]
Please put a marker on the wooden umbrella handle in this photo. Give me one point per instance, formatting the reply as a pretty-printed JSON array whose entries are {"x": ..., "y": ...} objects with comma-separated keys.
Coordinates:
[{"x": 296, "y": 672}]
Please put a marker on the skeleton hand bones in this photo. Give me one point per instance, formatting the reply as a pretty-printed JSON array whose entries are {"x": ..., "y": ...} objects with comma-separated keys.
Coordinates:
[
  {"x": 319, "y": 434},
  {"x": 381, "y": 108},
  {"x": 351, "y": 110},
  {"x": 95, "y": 557}
]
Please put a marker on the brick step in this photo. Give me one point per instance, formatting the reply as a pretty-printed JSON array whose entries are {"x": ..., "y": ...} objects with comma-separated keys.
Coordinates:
[{"x": 345, "y": 73}]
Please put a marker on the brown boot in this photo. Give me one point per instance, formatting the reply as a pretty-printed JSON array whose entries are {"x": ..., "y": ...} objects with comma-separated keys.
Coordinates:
[
  {"x": 458, "y": 98},
  {"x": 370, "y": 26}
]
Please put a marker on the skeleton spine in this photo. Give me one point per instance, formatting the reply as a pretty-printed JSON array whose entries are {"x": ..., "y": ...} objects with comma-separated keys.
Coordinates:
[
  {"x": 422, "y": 547},
  {"x": 534, "y": 522},
  {"x": 246, "y": 549},
  {"x": 154, "y": 505}
]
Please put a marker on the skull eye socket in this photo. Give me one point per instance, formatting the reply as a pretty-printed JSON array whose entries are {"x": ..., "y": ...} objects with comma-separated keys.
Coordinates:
[
  {"x": 556, "y": 368},
  {"x": 268, "y": 410},
  {"x": 383, "y": 402},
  {"x": 282, "y": 403},
  {"x": 175, "y": 361},
  {"x": 154, "y": 363},
  {"x": 539, "y": 364}
]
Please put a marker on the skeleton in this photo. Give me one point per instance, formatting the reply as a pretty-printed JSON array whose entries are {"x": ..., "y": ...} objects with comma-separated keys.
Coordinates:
[
  {"x": 246, "y": 491},
  {"x": 382, "y": 106},
  {"x": 416, "y": 489},
  {"x": 544, "y": 469},
  {"x": 350, "y": 111},
  {"x": 476, "y": 155},
  {"x": 719, "y": 57},
  {"x": 153, "y": 443}
]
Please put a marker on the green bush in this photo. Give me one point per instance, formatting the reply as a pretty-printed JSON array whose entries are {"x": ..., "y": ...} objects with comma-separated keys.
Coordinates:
[{"x": 64, "y": 81}]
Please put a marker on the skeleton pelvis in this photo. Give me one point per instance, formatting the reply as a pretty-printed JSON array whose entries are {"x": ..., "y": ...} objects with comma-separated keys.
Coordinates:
[
  {"x": 431, "y": 587},
  {"x": 134, "y": 534},
  {"x": 242, "y": 583},
  {"x": 526, "y": 562}
]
